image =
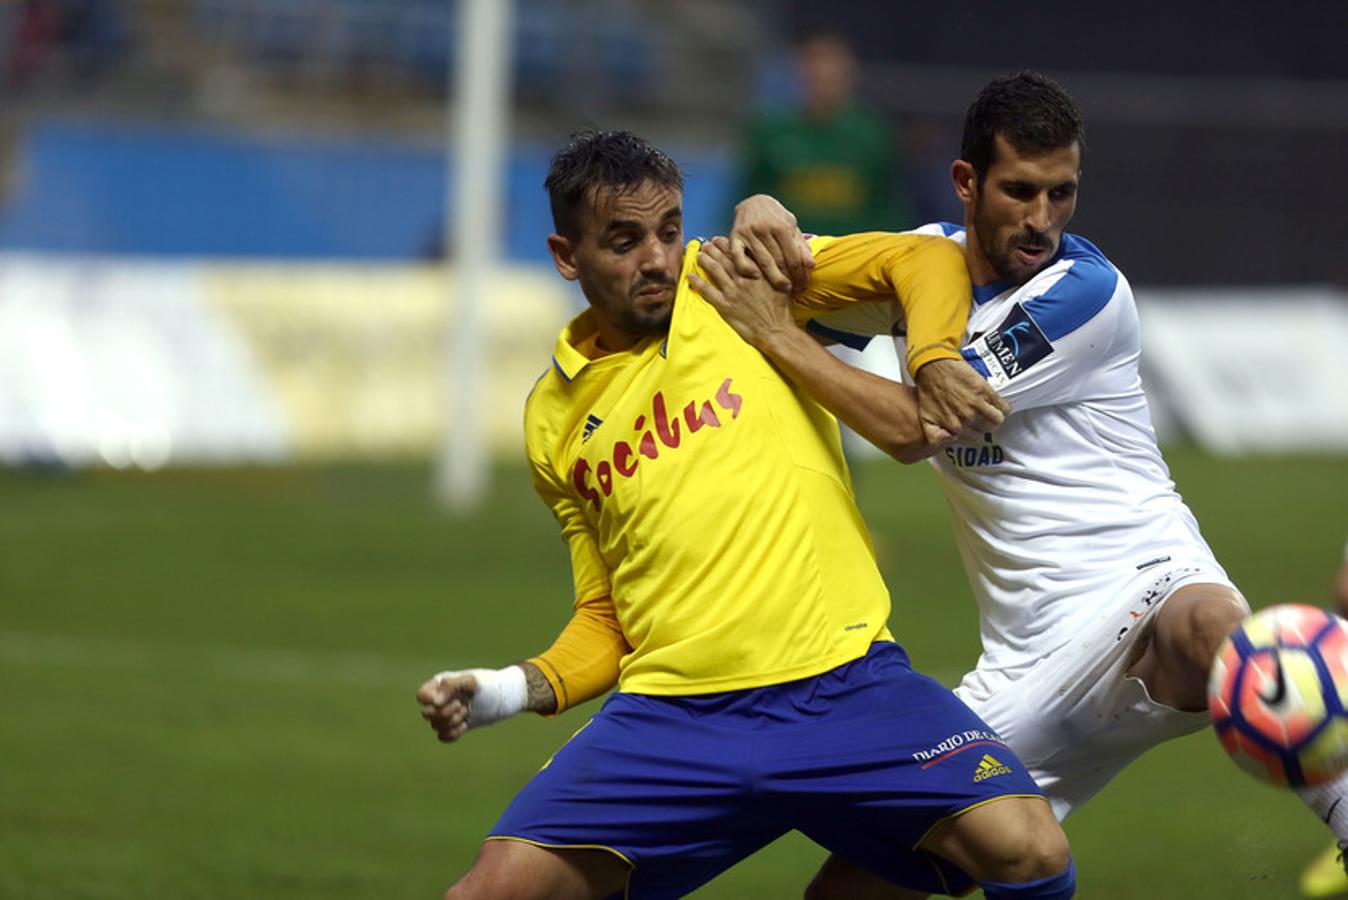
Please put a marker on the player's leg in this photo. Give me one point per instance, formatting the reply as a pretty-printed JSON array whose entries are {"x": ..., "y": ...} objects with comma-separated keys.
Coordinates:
[
  {"x": 1189, "y": 627},
  {"x": 513, "y": 870},
  {"x": 660, "y": 785},
  {"x": 910, "y": 784},
  {"x": 1012, "y": 847}
]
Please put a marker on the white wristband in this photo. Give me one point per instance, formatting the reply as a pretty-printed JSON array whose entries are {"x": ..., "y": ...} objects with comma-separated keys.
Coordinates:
[{"x": 501, "y": 693}]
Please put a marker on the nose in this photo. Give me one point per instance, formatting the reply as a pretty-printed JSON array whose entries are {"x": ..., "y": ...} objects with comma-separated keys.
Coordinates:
[
  {"x": 1037, "y": 213},
  {"x": 655, "y": 256}
]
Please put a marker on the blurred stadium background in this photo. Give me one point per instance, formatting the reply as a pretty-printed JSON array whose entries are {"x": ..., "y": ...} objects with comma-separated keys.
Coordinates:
[{"x": 228, "y": 274}]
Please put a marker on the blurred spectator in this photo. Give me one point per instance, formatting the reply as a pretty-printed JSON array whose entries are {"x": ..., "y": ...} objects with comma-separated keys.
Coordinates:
[
  {"x": 88, "y": 33},
  {"x": 34, "y": 36},
  {"x": 9, "y": 161},
  {"x": 831, "y": 161}
]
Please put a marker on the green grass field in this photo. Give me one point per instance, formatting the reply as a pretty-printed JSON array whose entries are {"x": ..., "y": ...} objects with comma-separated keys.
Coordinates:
[{"x": 208, "y": 681}]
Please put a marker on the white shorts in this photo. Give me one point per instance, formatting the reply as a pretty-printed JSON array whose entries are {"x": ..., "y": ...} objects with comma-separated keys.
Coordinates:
[{"x": 1074, "y": 717}]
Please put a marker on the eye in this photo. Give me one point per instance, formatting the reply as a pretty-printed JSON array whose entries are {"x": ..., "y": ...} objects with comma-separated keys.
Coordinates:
[{"x": 1062, "y": 192}]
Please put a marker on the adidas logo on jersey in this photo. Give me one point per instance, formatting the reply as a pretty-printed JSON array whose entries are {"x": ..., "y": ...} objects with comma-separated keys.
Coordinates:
[{"x": 989, "y": 767}]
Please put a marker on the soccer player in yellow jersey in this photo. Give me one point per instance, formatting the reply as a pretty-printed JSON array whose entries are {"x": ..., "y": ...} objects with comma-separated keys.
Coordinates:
[{"x": 711, "y": 522}]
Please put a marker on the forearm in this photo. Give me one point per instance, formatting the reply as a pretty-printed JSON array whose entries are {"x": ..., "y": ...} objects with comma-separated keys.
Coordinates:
[
  {"x": 932, "y": 284},
  {"x": 541, "y": 698},
  {"x": 882, "y": 411},
  {"x": 582, "y": 663}
]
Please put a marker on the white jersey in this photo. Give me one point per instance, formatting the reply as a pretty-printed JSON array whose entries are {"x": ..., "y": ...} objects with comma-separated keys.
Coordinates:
[{"x": 1070, "y": 500}]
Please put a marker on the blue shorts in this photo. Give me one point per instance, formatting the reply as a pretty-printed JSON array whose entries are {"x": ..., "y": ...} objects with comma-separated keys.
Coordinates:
[{"x": 864, "y": 759}]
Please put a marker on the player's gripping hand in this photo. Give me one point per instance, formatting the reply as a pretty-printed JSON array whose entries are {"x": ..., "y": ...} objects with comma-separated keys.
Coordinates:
[
  {"x": 454, "y": 702},
  {"x": 955, "y": 403},
  {"x": 766, "y": 239},
  {"x": 754, "y": 307}
]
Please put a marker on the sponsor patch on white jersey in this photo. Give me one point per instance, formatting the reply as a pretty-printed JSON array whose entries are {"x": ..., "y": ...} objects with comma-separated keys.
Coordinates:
[{"x": 1011, "y": 347}]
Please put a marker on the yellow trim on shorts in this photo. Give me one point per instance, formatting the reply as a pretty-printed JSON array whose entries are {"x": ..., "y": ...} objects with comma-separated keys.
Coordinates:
[
  {"x": 510, "y": 837},
  {"x": 955, "y": 815}
]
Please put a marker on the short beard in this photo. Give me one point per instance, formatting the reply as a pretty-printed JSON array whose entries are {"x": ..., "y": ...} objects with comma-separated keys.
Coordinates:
[
  {"x": 987, "y": 232},
  {"x": 634, "y": 322},
  {"x": 1000, "y": 258}
]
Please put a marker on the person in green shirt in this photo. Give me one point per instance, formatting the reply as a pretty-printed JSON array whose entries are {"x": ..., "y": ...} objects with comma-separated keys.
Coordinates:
[{"x": 832, "y": 160}]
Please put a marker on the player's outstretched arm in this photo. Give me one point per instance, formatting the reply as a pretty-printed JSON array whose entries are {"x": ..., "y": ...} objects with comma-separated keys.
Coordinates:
[
  {"x": 928, "y": 276},
  {"x": 456, "y": 701},
  {"x": 883, "y": 411},
  {"x": 580, "y": 665}
]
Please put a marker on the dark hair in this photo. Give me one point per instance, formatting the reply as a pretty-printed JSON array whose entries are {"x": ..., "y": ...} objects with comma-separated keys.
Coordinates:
[
  {"x": 592, "y": 159},
  {"x": 1030, "y": 110}
]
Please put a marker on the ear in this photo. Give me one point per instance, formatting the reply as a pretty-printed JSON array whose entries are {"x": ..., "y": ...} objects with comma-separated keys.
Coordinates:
[
  {"x": 563, "y": 256},
  {"x": 965, "y": 179}
]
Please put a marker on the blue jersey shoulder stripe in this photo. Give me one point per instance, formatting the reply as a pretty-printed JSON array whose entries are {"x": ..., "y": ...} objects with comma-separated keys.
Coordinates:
[
  {"x": 985, "y": 292},
  {"x": 1079, "y": 294},
  {"x": 846, "y": 338},
  {"x": 950, "y": 228}
]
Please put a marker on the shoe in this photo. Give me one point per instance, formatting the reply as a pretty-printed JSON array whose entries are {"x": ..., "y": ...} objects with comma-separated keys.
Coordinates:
[{"x": 1325, "y": 875}]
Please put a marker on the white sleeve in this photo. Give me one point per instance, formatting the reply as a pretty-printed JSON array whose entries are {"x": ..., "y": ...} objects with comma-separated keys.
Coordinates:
[{"x": 1070, "y": 340}]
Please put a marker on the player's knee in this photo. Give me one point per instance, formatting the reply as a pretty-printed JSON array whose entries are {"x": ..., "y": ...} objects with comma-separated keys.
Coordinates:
[
  {"x": 1200, "y": 626},
  {"x": 1030, "y": 854},
  {"x": 1047, "y": 854}
]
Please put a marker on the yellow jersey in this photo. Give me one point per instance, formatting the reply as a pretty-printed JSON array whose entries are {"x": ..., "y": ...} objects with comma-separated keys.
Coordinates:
[{"x": 709, "y": 498}]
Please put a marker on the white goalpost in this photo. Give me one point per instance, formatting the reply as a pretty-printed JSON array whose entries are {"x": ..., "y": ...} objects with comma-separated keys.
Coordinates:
[{"x": 477, "y": 136}]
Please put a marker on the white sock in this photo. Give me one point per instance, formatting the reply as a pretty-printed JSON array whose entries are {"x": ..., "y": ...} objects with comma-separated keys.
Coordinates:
[{"x": 1329, "y": 801}]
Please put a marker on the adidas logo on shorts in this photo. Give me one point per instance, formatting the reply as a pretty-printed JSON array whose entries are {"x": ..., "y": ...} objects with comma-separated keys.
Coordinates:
[{"x": 988, "y": 767}]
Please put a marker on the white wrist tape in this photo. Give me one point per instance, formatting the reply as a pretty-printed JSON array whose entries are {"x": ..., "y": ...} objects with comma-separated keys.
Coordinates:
[{"x": 501, "y": 693}]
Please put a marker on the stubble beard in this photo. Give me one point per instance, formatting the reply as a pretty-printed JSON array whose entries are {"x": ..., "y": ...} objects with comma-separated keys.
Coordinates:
[
  {"x": 638, "y": 321},
  {"x": 1000, "y": 258}
]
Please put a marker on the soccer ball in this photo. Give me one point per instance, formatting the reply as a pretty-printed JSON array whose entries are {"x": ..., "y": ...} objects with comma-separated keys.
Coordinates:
[{"x": 1278, "y": 694}]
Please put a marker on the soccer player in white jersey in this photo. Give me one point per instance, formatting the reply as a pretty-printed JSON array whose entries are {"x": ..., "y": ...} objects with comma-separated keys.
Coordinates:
[{"x": 1101, "y": 606}]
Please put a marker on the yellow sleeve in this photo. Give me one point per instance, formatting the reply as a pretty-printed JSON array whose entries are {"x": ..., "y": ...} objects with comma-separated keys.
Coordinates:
[
  {"x": 926, "y": 273},
  {"x": 583, "y": 662},
  {"x": 588, "y": 570}
]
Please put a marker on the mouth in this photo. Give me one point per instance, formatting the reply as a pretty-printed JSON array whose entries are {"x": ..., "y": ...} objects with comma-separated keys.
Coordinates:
[
  {"x": 1030, "y": 254},
  {"x": 656, "y": 293}
]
